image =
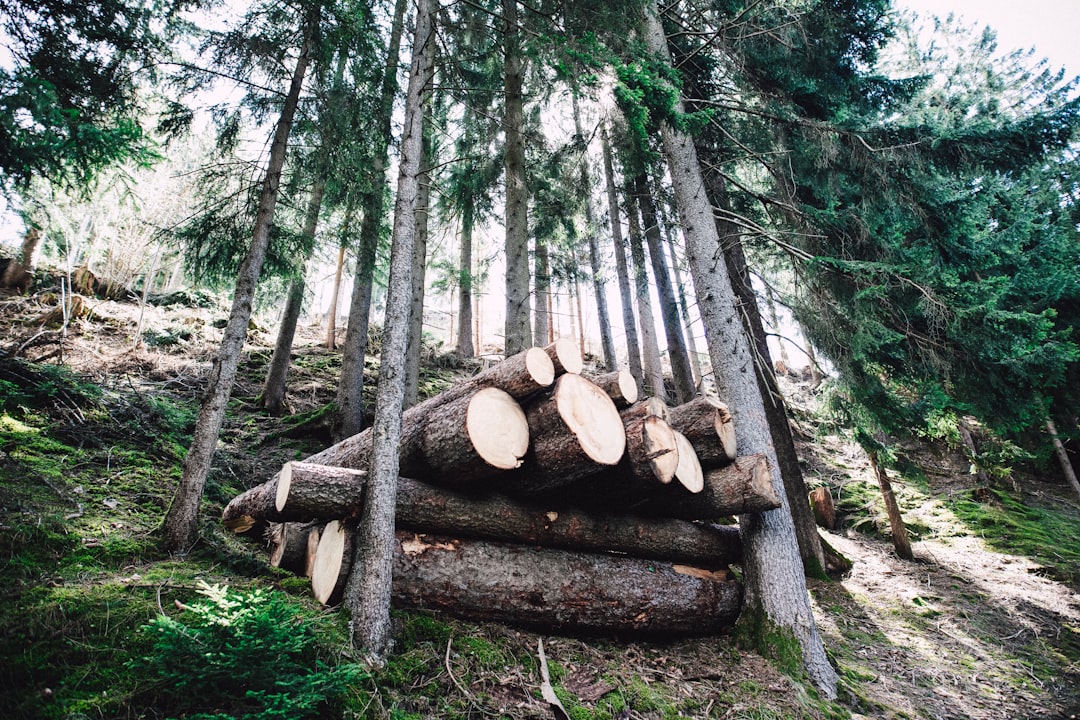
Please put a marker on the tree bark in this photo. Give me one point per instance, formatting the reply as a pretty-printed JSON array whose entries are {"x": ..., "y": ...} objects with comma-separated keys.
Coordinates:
[
  {"x": 684, "y": 308},
  {"x": 179, "y": 530},
  {"x": 901, "y": 542},
  {"x": 682, "y": 375},
  {"x": 346, "y": 229},
  {"x": 465, "y": 347},
  {"x": 776, "y": 594},
  {"x": 654, "y": 374},
  {"x": 273, "y": 392},
  {"x": 707, "y": 424},
  {"x": 350, "y": 394},
  {"x": 368, "y": 589},
  {"x": 518, "y": 335},
  {"x": 415, "y": 345},
  {"x": 542, "y": 334},
  {"x": 1062, "y": 456},
  {"x": 633, "y": 352},
  {"x": 561, "y": 591},
  {"x": 607, "y": 344}
]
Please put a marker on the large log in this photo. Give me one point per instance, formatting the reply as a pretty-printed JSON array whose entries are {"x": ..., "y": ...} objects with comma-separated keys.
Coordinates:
[
  {"x": 559, "y": 590},
  {"x": 575, "y": 431},
  {"x": 706, "y": 423},
  {"x": 426, "y": 508},
  {"x": 741, "y": 487}
]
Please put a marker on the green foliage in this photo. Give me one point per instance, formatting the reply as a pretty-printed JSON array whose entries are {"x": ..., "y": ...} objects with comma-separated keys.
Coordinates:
[{"x": 253, "y": 640}]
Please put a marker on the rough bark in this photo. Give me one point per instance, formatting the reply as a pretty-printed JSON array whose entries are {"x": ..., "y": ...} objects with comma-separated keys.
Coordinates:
[
  {"x": 368, "y": 589},
  {"x": 776, "y": 594},
  {"x": 707, "y": 424},
  {"x": 465, "y": 347},
  {"x": 633, "y": 352},
  {"x": 250, "y": 510},
  {"x": 575, "y": 431},
  {"x": 180, "y": 526},
  {"x": 561, "y": 591},
  {"x": 415, "y": 345},
  {"x": 1062, "y": 456},
  {"x": 350, "y": 394},
  {"x": 620, "y": 386},
  {"x": 518, "y": 335},
  {"x": 681, "y": 374},
  {"x": 684, "y": 307},
  {"x": 273, "y": 392},
  {"x": 901, "y": 541},
  {"x": 654, "y": 373},
  {"x": 607, "y": 344},
  {"x": 542, "y": 324}
]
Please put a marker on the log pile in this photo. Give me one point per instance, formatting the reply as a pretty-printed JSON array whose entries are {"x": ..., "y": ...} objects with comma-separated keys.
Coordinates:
[{"x": 534, "y": 495}]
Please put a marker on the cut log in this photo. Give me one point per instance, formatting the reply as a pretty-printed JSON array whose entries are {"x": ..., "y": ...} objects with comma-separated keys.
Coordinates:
[
  {"x": 424, "y": 508},
  {"x": 565, "y": 356},
  {"x": 621, "y": 387},
  {"x": 652, "y": 450},
  {"x": 706, "y": 423},
  {"x": 330, "y": 569},
  {"x": 294, "y": 546},
  {"x": 650, "y": 406},
  {"x": 575, "y": 431},
  {"x": 494, "y": 436},
  {"x": 821, "y": 503},
  {"x": 688, "y": 471},
  {"x": 249, "y": 511},
  {"x": 741, "y": 487},
  {"x": 561, "y": 591},
  {"x": 304, "y": 489}
]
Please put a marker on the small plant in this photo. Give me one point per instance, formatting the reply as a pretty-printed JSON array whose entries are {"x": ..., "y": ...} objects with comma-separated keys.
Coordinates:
[{"x": 245, "y": 655}]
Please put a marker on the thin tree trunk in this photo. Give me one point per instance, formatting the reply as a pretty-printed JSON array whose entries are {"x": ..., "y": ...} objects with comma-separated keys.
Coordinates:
[
  {"x": 273, "y": 392},
  {"x": 607, "y": 345},
  {"x": 633, "y": 351},
  {"x": 777, "y": 601},
  {"x": 684, "y": 310},
  {"x": 331, "y": 323},
  {"x": 681, "y": 374},
  {"x": 415, "y": 345},
  {"x": 1062, "y": 456},
  {"x": 774, "y": 321},
  {"x": 350, "y": 394},
  {"x": 580, "y": 317},
  {"x": 180, "y": 528},
  {"x": 542, "y": 283},
  {"x": 654, "y": 373},
  {"x": 465, "y": 346},
  {"x": 972, "y": 453},
  {"x": 518, "y": 335},
  {"x": 367, "y": 594},
  {"x": 901, "y": 542}
]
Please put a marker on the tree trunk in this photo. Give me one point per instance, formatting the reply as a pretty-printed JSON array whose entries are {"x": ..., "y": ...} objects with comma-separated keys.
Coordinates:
[
  {"x": 824, "y": 509},
  {"x": 774, "y": 321},
  {"x": 776, "y": 596},
  {"x": 346, "y": 229},
  {"x": 684, "y": 308},
  {"x": 180, "y": 529},
  {"x": 350, "y": 394},
  {"x": 681, "y": 373},
  {"x": 465, "y": 347},
  {"x": 542, "y": 285},
  {"x": 972, "y": 453},
  {"x": 901, "y": 542},
  {"x": 1062, "y": 456},
  {"x": 560, "y": 591},
  {"x": 654, "y": 373},
  {"x": 580, "y": 318},
  {"x": 629, "y": 324},
  {"x": 415, "y": 345},
  {"x": 368, "y": 589},
  {"x": 517, "y": 332},
  {"x": 606, "y": 343},
  {"x": 273, "y": 392},
  {"x": 707, "y": 424}
]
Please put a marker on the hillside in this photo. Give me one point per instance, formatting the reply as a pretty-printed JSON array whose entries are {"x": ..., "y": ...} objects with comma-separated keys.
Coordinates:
[{"x": 985, "y": 623}]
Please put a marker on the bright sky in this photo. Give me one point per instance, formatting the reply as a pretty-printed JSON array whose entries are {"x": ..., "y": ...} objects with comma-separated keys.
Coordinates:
[{"x": 1050, "y": 26}]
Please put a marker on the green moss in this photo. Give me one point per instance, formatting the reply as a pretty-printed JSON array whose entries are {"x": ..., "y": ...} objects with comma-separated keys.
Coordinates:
[{"x": 756, "y": 632}]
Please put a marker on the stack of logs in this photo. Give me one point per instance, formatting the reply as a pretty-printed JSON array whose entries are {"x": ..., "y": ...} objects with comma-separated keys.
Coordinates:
[{"x": 533, "y": 495}]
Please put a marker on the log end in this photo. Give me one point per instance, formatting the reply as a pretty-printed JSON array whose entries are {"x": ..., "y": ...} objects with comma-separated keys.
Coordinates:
[
  {"x": 762, "y": 493},
  {"x": 539, "y": 366},
  {"x": 326, "y": 569},
  {"x": 497, "y": 427},
  {"x": 628, "y": 387},
  {"x": 592, "y": 417},
  {"x": 725, "y": 431},
  {"x": 284, "y": 482},
  {"x": 566, "y": 356},
  {"x": 689, "y": 472},
  {"x": 662, "y": 447}
]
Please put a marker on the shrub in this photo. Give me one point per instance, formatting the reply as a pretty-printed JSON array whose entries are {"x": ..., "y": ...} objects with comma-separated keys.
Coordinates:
[{"x": 247, "y": 655}]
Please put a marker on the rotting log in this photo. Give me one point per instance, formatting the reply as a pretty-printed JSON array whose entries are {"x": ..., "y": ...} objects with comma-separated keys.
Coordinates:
[
  {"x": 559, "y": 590},
  {"x": 706, "y": 423},
  {"x": 575, "y": 431},
  {"x": 742, "y": 487},
  {"x": 621, "y": 386}
]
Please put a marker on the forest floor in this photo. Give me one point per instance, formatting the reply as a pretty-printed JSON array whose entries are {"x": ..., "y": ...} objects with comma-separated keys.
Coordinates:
[{"x": 984, "y": 624}]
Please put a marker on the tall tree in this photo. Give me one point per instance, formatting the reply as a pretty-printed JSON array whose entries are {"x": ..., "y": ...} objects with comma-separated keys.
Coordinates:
[
  {"x": 654, "y": 372},
  {"x": 180, "y": 528},
  {"x": 776, "y": 599},
  {"x": 367, "y": 592},
  {"x": 633, "y": 351},
  {"x": 518, "y": 333}
]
